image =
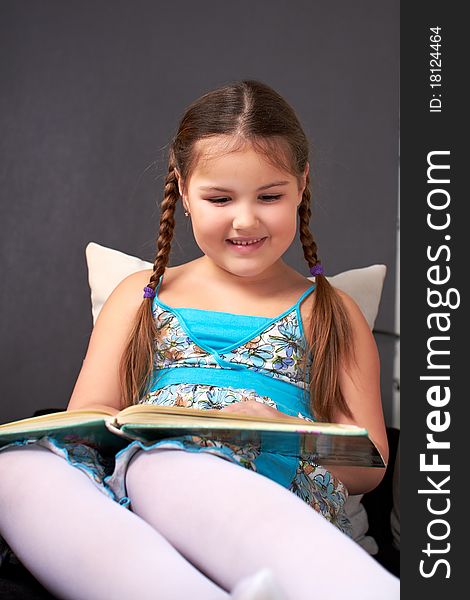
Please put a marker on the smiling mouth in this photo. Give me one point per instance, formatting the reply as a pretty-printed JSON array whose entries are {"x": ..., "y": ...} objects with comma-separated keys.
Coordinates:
[{"x": 238, "y": 242}]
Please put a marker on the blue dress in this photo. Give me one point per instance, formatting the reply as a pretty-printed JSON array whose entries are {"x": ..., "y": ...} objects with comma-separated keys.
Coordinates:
[{"x": 208, "y": 360}]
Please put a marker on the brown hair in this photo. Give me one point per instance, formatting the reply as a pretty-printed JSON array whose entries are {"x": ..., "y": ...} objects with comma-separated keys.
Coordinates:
[{"x": 249, "y": 112}]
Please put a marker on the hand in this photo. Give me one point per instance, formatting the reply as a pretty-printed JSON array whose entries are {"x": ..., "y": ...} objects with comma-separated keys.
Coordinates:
[{"x": 255, "y": 409}]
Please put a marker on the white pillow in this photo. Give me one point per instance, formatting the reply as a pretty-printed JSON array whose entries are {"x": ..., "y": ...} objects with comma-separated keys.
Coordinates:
[
  {"x": 108, "y": 267},
  {"x": 364, "y": 286}
]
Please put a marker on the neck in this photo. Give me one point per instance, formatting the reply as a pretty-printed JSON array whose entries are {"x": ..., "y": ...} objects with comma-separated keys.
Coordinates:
[{"x": 276, "y": 274}]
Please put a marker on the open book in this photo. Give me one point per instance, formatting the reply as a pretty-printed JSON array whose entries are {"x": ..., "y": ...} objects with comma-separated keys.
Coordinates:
[{"x": 322, "y": 443}]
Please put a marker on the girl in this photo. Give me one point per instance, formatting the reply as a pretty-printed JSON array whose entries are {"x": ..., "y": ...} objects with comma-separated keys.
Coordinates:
[{"x": 236, "y": 330}]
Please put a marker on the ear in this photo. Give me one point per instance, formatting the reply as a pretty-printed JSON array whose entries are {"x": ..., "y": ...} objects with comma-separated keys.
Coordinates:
[
  {"x": 304, "y": 177},
  {"x": 180, "y": 182},
  {"x": 303, "y": 182}
]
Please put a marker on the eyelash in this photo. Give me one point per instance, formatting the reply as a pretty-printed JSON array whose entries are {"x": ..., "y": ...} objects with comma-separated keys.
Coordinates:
[{"x": 266, "y": 197}]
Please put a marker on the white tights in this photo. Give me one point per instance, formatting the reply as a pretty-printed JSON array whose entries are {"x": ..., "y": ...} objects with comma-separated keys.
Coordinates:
[{"x": 199, "y": 524}]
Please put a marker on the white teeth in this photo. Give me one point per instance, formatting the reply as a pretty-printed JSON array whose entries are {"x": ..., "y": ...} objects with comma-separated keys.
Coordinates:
[{"x": 242, "y": 243}]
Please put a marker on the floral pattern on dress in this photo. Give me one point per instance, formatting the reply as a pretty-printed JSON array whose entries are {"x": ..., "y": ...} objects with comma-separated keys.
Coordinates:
[
  {"x": 174, "y": 348},
  {"x": 202, "y": 396},
  {"x": 279, "y": 351},
  {"x": 322, "y": 491}
]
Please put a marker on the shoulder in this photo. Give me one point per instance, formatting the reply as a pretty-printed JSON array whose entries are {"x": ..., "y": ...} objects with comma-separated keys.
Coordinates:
[
  {"x": 359, "y": 326},
  {"x": 354, "y": 312},
  {"x": 364, "y": 347},
  {"x": 127, "y": 295},
  {"x": 352, "y": 309},
  {"x": 130, "y": 289},
  {"x": 363, "y": 339},
  {"x": 133, "y": 284},
  {"x": 135, "y": 279}
]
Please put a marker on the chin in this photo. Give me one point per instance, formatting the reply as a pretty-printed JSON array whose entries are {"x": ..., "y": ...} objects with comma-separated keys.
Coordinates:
[
  {"x": 239, "y": 266},
  {"x": 245, "y": 271}
]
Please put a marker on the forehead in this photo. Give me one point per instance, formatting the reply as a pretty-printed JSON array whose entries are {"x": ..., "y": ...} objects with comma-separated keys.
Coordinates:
[{"x": 227, "y": 153}]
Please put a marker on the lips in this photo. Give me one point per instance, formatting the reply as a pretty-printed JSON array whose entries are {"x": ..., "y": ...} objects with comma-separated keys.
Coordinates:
[
  {"x": 245, "y": 246},
  {"x": 245, "y": 241}
]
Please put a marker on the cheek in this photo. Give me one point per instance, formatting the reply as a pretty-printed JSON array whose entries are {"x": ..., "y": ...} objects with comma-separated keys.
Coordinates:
[
  {"x": 284, "y": 224},
  {"x": 207, "y": 226}
]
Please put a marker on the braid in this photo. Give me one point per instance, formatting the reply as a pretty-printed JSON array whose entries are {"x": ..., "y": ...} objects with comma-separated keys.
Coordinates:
[
  {"x": 329, "y": 333},
  {"x": 167, "y": 225},
  {"x": 309, "y": 245},
  {"x": 137, "y": 360}
]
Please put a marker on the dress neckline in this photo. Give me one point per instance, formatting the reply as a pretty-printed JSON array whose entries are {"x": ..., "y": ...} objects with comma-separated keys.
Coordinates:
[
  {"x": 266, "y": 322},
  {"x": 221, "y": 314}
]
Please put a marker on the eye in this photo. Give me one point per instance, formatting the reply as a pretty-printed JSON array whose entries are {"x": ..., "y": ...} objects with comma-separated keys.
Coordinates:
[
  {"x": 265, "y": 198},
  {"x": 270, "y": 197},
  {"x": 220, "y": 201}
]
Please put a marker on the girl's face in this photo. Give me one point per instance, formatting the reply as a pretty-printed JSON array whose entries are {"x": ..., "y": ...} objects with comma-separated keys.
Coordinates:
[{"x": 243, "y": 209}]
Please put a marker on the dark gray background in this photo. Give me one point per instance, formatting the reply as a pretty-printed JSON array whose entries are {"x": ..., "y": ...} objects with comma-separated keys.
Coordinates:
[{"x": 91, "y": 95}]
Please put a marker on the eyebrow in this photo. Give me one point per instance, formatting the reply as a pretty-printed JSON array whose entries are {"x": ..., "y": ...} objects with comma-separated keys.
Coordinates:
[{"x": 263, "y": 187}]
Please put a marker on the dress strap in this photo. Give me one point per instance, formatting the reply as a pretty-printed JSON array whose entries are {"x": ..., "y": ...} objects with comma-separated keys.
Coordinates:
[
  {"x": 297, "y": 308},
  {"x": 304, "y": 295},
  {"x": 160, "y": 281}
]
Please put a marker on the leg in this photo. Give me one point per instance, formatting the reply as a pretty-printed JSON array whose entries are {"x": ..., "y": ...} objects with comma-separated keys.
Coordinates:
[
  {"x": 81, "y": 544},
  {"x": 231, "y": 522}
]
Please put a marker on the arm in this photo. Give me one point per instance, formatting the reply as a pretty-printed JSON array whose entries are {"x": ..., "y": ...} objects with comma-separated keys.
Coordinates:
[
  {"x": 360, "y": 385},
  {"x": 98, "y": 383}
]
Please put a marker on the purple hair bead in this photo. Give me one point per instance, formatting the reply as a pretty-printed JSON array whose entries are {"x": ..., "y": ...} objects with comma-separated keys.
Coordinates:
[
  {"x": 317, "y": 270},
  {"x": 149, "y": 292}
]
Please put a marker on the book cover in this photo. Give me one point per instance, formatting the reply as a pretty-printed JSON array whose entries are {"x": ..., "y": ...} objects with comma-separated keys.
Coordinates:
[{"x": 323, "y": 443}]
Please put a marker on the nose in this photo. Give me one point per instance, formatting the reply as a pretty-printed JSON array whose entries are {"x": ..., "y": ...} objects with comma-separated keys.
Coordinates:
[{"x": 245, "y": 218}]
